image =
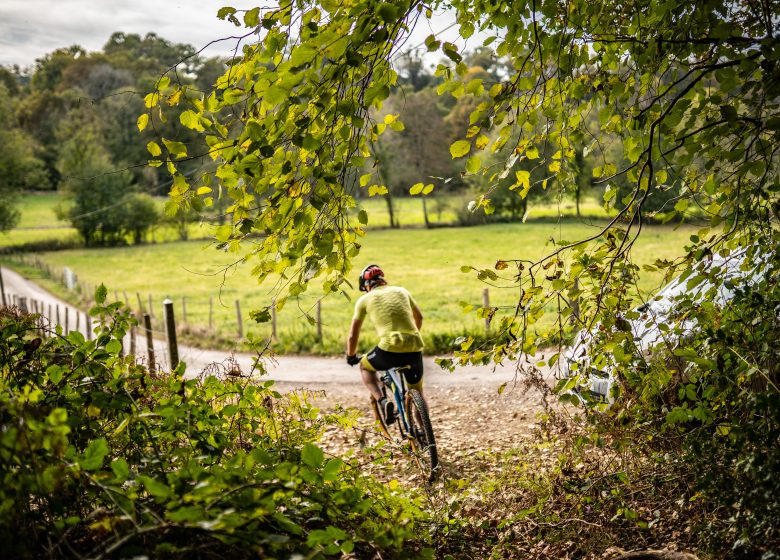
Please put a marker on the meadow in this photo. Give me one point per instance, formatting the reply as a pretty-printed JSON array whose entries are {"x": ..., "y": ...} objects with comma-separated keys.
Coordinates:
[
  {"x": 426, "y": 261},
  {"x": 205, "y": 282}
]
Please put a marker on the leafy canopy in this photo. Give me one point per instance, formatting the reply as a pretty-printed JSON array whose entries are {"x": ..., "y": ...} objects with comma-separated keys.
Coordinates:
[{"x": 691, "y": 94}]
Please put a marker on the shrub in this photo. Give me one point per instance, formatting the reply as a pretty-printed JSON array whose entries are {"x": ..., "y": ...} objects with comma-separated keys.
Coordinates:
[
  {"x": 101, "y": 458},
  {"x": 712, "y": 400}
]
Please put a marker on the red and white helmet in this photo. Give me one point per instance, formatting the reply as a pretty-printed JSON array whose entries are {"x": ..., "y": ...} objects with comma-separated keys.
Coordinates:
[{"x": 371, "y": 276}]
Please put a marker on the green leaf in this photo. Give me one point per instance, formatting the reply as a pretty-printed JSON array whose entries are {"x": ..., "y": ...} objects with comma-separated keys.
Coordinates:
[
  {"x": 154, "y": 148},
  {"x": 176, "y": 149},
  {"x": 101, "y": 292},
  {"x": 460, "y": 148},
  {"x": 332, "y": 469},
  {"x": 94, "y": 455},
  {"x": 191, "y": 120},
  {"x": 275, "y": 95},
  {"x": 223, "y": 232},
  {"x": 114, "y": 347},
  {"x": 312, "y": 455},
  {"x": 473, "y": 164},
  {"x": 388, "y": 13},
  {"x": 363, "y": 217},
  {"x": 121, "y": 469},
  {"x": 54, "y": 373},
  {"x": 155, "y": 488}
]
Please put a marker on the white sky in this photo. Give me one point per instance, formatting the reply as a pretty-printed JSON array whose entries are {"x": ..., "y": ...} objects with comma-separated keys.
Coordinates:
[{"x": 30, "y": 29}]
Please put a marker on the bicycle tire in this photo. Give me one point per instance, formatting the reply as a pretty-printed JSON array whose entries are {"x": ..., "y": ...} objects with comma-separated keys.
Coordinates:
[{"x": 423, "y": 441}]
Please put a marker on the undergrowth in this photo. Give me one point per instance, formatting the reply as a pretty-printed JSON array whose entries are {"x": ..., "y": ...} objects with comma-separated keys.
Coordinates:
[{"x": 100, "y": 458}]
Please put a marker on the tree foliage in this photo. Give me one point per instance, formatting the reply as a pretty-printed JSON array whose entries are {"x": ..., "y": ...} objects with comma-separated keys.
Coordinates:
[{"x": 20, "y": 166}]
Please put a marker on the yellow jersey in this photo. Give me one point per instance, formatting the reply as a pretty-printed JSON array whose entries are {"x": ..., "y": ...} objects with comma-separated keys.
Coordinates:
[{"x": 390, "y": 310}]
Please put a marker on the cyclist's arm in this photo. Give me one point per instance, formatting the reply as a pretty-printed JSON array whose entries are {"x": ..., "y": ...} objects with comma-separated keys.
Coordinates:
[
  {"x": 354, "y": 335},
  {"x": 417, "y": 314}
]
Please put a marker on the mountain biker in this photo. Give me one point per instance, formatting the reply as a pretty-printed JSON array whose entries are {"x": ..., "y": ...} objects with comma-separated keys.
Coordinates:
[{"x": 397, "y": 320}]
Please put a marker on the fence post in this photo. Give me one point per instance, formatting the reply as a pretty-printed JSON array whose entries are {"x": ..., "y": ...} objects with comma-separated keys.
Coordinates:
[
  {"x": 88, "y": 325},
  {"x": 78, "y": 319},
  {"x": 149, "y": 341},
  {"x": 238, "y": 318},
  {"x": 23, "y": 304},
  {"x": 141, "y": 309},
  {"x": 170, "y": 331},
  {"x": 132, "y": 342},
  {"x": 2, "y": 288},
  {"x": 486, "y": 305},
  {"x": 67, "y": 326},
  {"x": 151, "y": 307},
  {"x": 58, "y": 322},
  {"x": 319, "y": 320}
]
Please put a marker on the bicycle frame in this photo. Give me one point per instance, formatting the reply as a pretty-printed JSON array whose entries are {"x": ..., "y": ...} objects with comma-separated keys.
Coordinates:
[{"x": 394, "y": 380}]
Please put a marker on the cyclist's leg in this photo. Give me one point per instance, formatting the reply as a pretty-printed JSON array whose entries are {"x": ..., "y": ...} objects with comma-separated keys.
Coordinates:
[
  {"x": 413, "y": 372},
  {"x": 369, "y": 377},
  {"x": 372, "y": 362}
]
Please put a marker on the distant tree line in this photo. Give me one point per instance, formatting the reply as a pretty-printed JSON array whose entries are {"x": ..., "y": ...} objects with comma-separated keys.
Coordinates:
[{"x": 73, "y": 128}]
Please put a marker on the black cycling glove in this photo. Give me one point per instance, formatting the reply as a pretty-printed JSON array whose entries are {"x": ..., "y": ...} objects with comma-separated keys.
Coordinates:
[{"x": 353, "y": 359}]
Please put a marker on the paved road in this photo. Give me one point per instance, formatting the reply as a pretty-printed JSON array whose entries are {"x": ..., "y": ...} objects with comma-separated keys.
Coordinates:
[{"x": 292, "y": 369}]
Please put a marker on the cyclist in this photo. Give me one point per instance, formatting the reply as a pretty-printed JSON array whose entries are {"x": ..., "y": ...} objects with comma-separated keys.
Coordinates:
[{"x": 397, "y": 320}]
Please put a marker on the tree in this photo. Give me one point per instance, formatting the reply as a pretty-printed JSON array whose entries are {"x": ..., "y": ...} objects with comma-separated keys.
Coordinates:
[
  {"x": 416, "y": 155},
  {"x": 99, "y": 192},
  {"x": 20, "y": 167},
  {"x": 691, "y": 93}
]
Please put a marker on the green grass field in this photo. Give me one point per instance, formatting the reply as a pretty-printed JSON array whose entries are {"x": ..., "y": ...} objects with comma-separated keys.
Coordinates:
[
  {"x": 442, "y": 210},
  {"x": 427, "y": 262},
  {"x": 39, "y": 223}
]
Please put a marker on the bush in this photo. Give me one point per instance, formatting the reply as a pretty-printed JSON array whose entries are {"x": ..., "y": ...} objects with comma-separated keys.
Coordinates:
[
  {"x": 101, "y": 458},
  {"x": 712, "y": 400}
]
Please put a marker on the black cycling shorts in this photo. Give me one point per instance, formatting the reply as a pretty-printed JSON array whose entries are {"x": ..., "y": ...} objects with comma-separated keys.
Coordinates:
[{"x": 410, "y": 363}]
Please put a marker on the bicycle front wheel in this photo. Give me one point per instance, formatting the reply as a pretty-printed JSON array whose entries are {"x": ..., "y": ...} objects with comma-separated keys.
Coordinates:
[{"x": 423, "y": 440}]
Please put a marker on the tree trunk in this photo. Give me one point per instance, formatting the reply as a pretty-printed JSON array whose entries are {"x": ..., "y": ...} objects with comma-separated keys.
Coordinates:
[
  {"x": 390, "y": 211},
  {"x": 425, "y": 213},
  {"x": 577, "y": 194}
]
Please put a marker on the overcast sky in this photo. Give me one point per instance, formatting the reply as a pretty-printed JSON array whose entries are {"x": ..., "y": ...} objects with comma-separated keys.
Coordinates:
[{"x": 29, "y": 29}]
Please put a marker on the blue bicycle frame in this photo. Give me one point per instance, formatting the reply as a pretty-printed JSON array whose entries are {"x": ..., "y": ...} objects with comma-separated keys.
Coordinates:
[{"x": 395, "y": 380}]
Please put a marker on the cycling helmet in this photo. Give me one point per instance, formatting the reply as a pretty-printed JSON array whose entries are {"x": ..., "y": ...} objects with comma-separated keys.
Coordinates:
[{"x": 371, "y": 276}]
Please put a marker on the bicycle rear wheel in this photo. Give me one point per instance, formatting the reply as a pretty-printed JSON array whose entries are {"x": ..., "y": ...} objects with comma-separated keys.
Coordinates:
[{"x": 423, "y": 440}]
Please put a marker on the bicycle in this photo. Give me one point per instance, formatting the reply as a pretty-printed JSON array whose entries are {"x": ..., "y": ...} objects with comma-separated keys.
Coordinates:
[{"x": 414, "y": 423}]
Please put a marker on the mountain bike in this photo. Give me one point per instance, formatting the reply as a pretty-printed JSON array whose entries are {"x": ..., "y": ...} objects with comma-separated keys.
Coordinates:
[{"x": 412, "y": 419}]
